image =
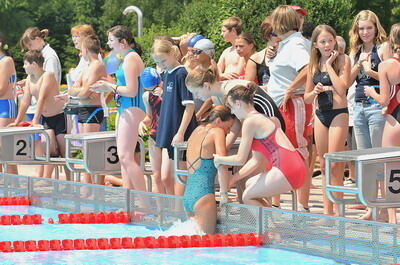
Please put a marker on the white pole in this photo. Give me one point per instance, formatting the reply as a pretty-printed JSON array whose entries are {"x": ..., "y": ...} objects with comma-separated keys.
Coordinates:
[{"x": 139, "y": 13}]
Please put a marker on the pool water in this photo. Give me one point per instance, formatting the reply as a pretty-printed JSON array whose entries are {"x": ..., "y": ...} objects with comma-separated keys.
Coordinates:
[{"x": 236, "y": 255}]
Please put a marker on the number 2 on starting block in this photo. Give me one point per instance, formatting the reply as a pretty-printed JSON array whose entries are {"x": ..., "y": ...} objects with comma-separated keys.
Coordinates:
[{"x": 22, "y": 147}]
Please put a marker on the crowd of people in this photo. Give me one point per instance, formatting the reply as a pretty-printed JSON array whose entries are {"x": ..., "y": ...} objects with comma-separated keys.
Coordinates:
[{"x": 298, "y": 97}]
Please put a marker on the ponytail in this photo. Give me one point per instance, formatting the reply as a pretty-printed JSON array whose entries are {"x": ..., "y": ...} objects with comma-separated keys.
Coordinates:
[
  {"x": 198, "y": 76},
  {"x": 220, "y": 111},
  {"x": 31, "y": 34},
  {"x": 243, "y": 93}
]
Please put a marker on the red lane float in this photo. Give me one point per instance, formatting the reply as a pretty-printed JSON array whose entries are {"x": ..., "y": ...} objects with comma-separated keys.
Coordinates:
[
  {"x": 30, "y": 219},
  {"x": 97, "y": 218},
  {"x": 23, "y": 200},
  {"x": 219, "y": 240}
]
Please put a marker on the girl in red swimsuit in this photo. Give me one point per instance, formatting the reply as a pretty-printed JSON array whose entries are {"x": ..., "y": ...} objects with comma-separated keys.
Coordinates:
[
  {"x": 389, "y": 80},
  {"x": 275, "y": 166}
]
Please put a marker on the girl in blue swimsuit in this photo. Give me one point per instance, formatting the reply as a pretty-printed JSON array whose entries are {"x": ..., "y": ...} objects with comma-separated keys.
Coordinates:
[
  {"x": 8, "y": 77},
  {"x": 127, "y": 89},
  {"x": 199, "y": 195}
]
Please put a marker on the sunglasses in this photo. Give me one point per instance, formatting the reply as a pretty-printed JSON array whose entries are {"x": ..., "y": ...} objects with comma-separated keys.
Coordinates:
[
  {"x": 197, "y": 52},
  {"x": 273, "y": 34}
]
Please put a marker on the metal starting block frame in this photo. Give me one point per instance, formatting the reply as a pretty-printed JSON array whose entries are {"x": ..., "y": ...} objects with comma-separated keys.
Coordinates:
[
  {"x": 99, "y": 150},
  {"x": 18, "y": 147},
  {"x": 370, "y": 165}
]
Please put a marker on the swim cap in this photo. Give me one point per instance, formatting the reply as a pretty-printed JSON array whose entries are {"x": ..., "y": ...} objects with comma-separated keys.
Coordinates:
[
  {"x": 206, "y": 46},
  {"x": 194, "y": 39},
  {"x": 149, "y": 77},
  {"x": 111, "y": 63}
]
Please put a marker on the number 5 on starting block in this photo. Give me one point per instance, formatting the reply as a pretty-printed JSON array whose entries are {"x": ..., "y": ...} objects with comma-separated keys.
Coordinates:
[{"x": 392, "y": 181}]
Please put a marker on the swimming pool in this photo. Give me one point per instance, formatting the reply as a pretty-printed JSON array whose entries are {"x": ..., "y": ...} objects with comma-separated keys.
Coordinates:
[
  {"x": 237, "y": 255},
  {"x": 291, "y": 238}
]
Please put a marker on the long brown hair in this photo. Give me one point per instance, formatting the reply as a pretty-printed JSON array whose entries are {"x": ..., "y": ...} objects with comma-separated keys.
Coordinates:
[
  {"x": 198, "y": 76},
  {"x": 243, "y": 93},
  {"x": 124, "y": 33},
  {"x": 32, "y": 33},
  {"x": 394, "y": 38},
  {"x": 219, "y": 111},
  {"x": 315, "y": 53}
]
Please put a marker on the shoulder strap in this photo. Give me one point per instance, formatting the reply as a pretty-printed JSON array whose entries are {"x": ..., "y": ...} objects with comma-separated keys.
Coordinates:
[{"x": 201, "y": 149}]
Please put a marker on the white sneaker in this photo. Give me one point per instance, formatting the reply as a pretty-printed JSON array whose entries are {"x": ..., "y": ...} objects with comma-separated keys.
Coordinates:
[
  {"x": 349, "y": 182},
  {"x": 302, "y": 209}
]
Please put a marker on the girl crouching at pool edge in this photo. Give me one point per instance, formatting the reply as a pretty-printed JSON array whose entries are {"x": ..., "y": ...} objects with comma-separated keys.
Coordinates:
[
  {"x": 275, "y": 167},
  {"x": 207, "y": 139}
]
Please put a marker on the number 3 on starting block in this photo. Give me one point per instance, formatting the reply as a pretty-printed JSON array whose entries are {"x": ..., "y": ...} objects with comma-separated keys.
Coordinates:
[
  {"x": 22, "y": 148},
  {"x": 111, "y": 158},
  {"x": 392, "y": 181}
]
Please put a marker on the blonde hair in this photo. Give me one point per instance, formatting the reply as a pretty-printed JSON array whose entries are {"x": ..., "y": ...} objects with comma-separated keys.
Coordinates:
[
  {"x": 284, "y": 19},
  {"x": 355, "y": 40},
  {"x": 315, "y": 53},
  {"x": 83, "y": 30},
  {"x": 394, "y": 38},
  {"x": 233, "y": 23},
  {"x": 165, "y": 47},
  {"x": 32, "y": 33},
  {"x": 199, "y": 76}
]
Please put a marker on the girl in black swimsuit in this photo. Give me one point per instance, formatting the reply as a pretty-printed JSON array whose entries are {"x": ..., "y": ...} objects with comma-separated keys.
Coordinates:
[
  {"x": 326, "y": 88},
  {"x": 257, "y": 68}
]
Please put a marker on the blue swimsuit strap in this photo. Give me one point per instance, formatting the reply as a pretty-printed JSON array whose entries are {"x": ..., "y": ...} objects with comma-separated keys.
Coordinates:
[{"x": 201, "y": 148}]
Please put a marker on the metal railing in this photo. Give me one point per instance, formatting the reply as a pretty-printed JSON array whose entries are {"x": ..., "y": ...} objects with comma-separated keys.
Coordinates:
[{"x": 344, "y": 239}]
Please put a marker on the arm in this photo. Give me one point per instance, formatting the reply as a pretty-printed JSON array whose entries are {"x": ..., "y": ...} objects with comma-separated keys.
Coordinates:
[
  {"x": 186, "y": 118},
  {"x": 146, "y": 121},
  {"x": 309, "y": 95},
  {"x": 221, "y": 63},
  {"x": 383, "y": 97},
  {"x": 220, "y": 149},
  {"x": 24, "y": 105},
  {"x": 249, "y": 169},
  {"x": 241, "y": 157},
  {"x": 45, "y": 87},
  {"x": 340, "y": 81},
  {"x": 234, "y": 133},
  {"x": 299, "y": 81},
  {"x": 204, "y": 108},
  {"x": 74, "y": 90},
  {"x": 251, "y": 69}
]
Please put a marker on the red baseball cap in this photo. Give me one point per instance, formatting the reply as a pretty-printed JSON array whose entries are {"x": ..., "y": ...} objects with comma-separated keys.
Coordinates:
[{"x": 299, "y": 10}]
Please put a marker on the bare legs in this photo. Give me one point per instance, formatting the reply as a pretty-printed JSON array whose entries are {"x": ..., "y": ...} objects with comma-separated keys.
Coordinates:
[
  {"x": 127, "y": 135},
  {"x": 331, "y": 139},
  {"x": 264, "y": 185}
]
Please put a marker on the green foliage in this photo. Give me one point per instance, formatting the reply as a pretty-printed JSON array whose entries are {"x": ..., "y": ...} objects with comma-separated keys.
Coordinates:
[
  {"x": 167, "y": 17},
  {"x": 337, "y": 14}
]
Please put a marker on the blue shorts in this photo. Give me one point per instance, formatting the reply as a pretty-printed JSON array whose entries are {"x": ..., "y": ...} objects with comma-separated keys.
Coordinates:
[
  {"x": 8, "y": 109},
  {"x": 29, "y": 117}
]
